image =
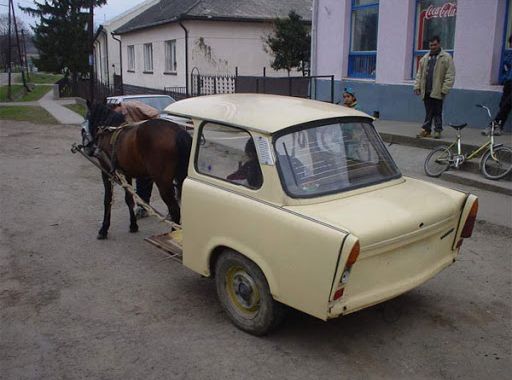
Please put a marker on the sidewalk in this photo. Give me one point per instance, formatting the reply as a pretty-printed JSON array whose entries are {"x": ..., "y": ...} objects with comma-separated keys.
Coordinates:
[
  {"x": 404, "y": 133},
  {"x": 54, "y": 107}
]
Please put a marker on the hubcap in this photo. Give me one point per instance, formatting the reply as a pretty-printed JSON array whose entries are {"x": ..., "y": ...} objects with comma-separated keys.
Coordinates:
[{"x": 242, "y": 291}]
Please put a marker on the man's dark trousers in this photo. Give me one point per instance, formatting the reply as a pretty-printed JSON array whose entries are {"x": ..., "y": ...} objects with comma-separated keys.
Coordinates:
[
  {"x": 505, "y": 103},
  {"x": 433, "y": 112},
  {"x": 144, "y": 188}
]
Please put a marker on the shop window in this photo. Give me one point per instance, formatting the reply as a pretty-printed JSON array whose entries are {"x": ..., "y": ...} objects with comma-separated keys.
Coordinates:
[
  {"x": 362, "y": 60},
  {"x": 506, "y": 54},
  {"x": 434, "y": 18}
]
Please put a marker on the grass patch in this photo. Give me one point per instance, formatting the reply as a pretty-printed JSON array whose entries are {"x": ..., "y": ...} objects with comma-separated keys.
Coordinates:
[
  {"x": 37, "y": 115},
  {"x": 45, "y": 78},
  {"x": 19, "y": 94},
  {"x": 37, "y": 93},
  {"x": 78, "y": 108}
]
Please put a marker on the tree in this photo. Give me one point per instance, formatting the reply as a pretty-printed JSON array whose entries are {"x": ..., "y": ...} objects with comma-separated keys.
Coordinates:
[
  {"x": 61, "y": 35},
  {"x": 290, "y": 44}
]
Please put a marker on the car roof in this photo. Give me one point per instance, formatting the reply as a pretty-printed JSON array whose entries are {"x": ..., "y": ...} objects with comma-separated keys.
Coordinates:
[
  {"x": 124, "y": 97},
  {"x": 260, "y": 112}
]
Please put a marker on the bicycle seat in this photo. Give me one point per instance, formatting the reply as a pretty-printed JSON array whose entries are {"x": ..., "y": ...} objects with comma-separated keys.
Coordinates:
[{"x": 458, "y": 126}]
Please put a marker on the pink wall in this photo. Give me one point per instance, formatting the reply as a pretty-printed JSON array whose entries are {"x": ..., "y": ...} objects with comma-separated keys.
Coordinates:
[
  {"x": 478, "y": 38},
  {"x": 395, "y": 40}
]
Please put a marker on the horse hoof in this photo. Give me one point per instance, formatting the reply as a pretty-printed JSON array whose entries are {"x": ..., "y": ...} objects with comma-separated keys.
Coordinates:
[
  {"x": 101, "y": 236},
  {"x": 134, "y": 228}
]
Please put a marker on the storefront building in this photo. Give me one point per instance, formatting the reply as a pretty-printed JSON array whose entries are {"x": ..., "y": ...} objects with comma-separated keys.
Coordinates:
[{"x": 374, "y": 46}]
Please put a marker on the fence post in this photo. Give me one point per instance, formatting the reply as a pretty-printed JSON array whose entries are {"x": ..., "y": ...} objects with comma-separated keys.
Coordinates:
[{"x": 215, "y": 85}]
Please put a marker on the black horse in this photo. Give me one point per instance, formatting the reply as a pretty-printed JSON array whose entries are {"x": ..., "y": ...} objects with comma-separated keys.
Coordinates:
[{"x": 156, "y": 148}]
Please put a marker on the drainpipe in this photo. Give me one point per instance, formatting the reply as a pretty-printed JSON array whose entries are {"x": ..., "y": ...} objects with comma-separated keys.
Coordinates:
[
  {"x": 314, "y": 32},
  {"x": 106, "y": 53},
  {"x": 186, "y": 56},
  {"x": 120, "y": 54}
]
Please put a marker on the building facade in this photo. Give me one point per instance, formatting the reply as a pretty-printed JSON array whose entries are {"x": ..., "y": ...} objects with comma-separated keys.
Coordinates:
[
  {"x": 164, "y": 45},
  {"x": 374, "y": 46},
  {"x": 107, "y": 57}
]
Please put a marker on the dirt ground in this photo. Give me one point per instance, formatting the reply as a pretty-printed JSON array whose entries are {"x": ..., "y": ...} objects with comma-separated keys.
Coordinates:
[{"x": 75, "y": 307}]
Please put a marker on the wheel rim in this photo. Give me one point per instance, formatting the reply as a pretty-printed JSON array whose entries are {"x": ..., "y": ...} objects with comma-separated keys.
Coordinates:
[
  {"x": 499, "y": 165},
  {"x": 438, "y": 162},
  {"x": 242, "y": 291}
]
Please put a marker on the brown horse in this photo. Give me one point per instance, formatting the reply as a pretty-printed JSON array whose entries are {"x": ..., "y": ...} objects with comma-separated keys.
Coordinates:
[{"x": 156, "y": 148}]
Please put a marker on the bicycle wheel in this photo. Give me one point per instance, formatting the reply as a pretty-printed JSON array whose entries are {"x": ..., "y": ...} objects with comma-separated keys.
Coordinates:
[
  {"x": 498, "y": 166},
  {"x": 438, "y": 161}
]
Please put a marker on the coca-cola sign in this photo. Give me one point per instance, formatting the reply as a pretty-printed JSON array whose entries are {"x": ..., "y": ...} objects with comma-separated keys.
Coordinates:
[{"x": 445, "y": 10}]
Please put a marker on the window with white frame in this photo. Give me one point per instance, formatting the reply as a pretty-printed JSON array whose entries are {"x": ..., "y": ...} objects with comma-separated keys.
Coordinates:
[
  {"x": 362, "y": 60},
  {"x": 131, "y": 58},
  {"x": 171, "y": 66},
  {"x": 434, "y": 18},
  {"x": 148, "y": 58}
]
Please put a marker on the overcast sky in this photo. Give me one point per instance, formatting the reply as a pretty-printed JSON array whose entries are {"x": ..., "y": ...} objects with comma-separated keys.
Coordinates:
[{"x": 108, "y": 11}]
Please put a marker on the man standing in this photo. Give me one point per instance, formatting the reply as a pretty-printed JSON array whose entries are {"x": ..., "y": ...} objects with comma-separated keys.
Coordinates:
[
  {"x": 506, "y": 97},
  {"x": 434, "y": 79}
]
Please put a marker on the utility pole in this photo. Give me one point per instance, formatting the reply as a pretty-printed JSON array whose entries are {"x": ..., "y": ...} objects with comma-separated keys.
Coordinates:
[
  {"x": 9, "y": 95},
  {"x": 19, "y": 47},
  {"x": 25, "y": 51},
  {"x": 91, "y": 54}
]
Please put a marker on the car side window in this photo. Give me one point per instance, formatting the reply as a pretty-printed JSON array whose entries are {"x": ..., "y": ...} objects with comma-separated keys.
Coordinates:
[{"x": 229, "y": 154}]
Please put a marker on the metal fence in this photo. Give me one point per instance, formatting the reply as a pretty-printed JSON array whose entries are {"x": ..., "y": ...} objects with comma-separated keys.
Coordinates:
[
  {"x": 212, "y": 84},
  {"x": 81, "y": 89}
]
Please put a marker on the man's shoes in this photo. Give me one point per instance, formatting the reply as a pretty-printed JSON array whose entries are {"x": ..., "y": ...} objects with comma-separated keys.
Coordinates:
[
  {"x": 487, "y": 131},
  {"x": 437, "y": 135},
  {"x": 423, "y": 134},
  {"x": 140, "y": 213}
]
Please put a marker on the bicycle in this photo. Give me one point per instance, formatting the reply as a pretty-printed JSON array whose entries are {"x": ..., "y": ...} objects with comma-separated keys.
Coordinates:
[{"x": 495, "y": 163}]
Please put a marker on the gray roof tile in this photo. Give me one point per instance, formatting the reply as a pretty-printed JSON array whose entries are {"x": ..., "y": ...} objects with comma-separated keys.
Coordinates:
[{"x": 167, "y": 11}]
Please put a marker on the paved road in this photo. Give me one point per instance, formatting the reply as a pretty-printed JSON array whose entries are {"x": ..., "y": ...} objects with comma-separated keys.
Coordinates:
[{"x": 75, "y": 307}]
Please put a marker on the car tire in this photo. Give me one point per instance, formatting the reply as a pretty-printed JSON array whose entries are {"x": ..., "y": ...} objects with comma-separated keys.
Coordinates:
[{"x": 245, "y": 296}]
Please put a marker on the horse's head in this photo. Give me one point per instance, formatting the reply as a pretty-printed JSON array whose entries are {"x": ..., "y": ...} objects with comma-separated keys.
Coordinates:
[{"x": 98, "y": 116}]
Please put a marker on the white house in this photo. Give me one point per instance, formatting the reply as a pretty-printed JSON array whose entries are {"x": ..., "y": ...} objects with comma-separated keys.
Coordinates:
[
  {"x": 373, "y": 46},
  {"x": 107, "y": 50},
  {"x": 163, "y": 45}
]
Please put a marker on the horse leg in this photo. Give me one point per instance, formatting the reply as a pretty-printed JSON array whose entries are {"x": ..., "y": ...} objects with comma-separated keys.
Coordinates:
[
  {"x": 128, "y": 197},
  {"x": 167, "y": 193},
  {"x": 107, "y": 206}
]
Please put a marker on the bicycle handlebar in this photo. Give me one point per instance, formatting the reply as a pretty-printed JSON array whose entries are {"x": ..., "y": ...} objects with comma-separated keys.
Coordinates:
[{"x": 485, "y": 108}]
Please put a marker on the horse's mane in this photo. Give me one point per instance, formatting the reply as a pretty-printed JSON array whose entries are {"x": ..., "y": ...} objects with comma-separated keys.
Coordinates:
[{"x": 101, "y": 115}]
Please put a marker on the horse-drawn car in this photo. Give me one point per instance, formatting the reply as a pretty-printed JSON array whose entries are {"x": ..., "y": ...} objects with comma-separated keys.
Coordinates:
[{"x": 293, "y": 202}]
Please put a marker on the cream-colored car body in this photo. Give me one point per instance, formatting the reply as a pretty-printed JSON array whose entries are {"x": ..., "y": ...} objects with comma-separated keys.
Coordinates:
[{"x": 407, "y": 229}]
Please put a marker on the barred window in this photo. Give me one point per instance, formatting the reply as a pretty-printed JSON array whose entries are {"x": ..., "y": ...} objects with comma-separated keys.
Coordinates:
[
  {"x": 171, "y": 65},
  {"x": 148, "y": 57}
]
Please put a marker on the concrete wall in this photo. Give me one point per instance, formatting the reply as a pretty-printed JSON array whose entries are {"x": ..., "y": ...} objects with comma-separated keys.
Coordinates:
[
  {"x": 157, "y": 36},
  {"x": 214, "y": 47}
]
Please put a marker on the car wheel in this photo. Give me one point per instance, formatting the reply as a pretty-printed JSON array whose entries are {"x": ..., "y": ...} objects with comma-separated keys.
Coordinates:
[{"x": 245, "y": 296}]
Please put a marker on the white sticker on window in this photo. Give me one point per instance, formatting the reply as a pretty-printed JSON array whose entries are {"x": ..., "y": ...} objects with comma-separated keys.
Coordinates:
[{"x": 264, "y": 151}]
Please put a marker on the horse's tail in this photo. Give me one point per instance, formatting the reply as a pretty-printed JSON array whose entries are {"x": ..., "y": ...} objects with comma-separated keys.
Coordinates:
[{"x": 184, "y": 146}]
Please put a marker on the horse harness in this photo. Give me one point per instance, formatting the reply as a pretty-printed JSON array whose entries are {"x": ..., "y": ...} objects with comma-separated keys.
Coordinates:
[{"x": 114, "y": 138}]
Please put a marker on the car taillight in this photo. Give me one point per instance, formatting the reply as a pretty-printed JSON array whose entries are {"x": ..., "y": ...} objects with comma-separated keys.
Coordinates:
[
  {"x": 352, "y": 258},
  {"x": 467, "y": 231}
]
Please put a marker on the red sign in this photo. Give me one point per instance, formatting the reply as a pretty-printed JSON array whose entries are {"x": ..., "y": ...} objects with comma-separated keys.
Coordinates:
[{"x": 445, "y": 10}]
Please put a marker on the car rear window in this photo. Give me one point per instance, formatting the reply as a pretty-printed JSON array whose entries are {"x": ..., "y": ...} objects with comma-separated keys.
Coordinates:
[
  {"x": 156, "y": 102},
  {"x": 331, "y": 158}
]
